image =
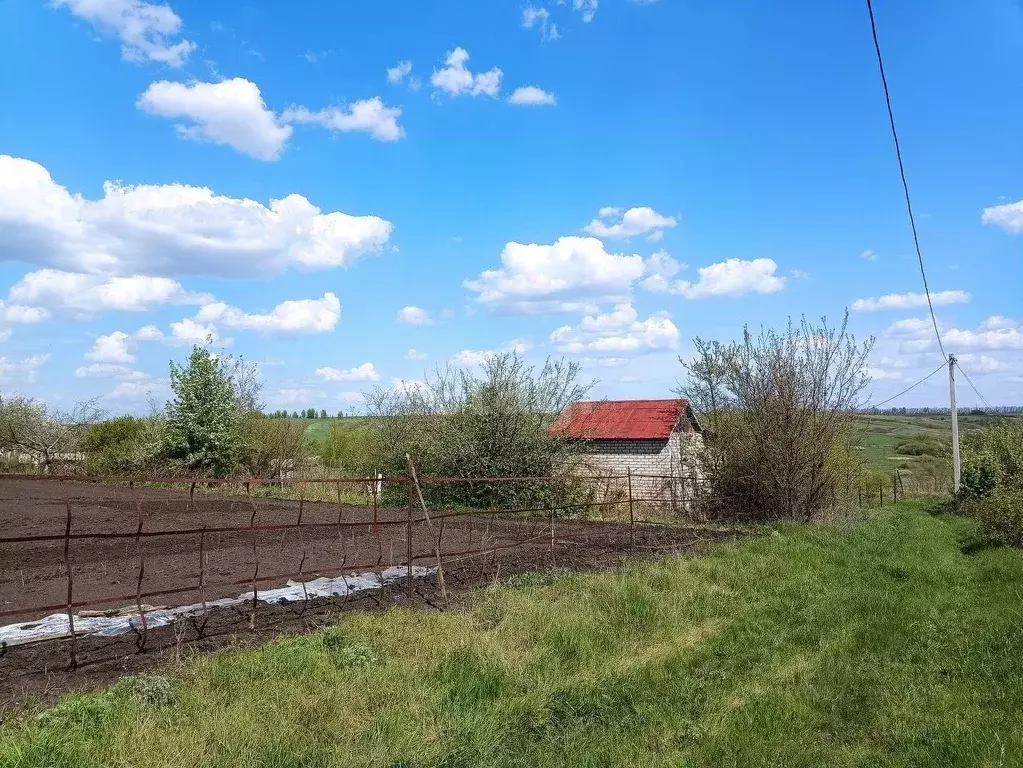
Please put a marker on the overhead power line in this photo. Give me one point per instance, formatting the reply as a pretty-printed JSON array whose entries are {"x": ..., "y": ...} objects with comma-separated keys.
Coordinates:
[
  {"x": 974, "y": 387},
  {"x": 911, "y": 386},
  {"x": 902, "y": 173}
]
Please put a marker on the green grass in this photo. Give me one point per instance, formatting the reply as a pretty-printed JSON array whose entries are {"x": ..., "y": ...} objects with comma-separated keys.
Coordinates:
[
  {"x": 919, "y": 446},
  {"x": 874, "y": 643},
  {"x": 317, "y": 430}
]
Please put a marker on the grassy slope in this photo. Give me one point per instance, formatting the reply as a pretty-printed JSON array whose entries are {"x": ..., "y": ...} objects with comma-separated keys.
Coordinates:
[
  {"x": 881, "y": 435},
  {"x": 865, "y": 644},
  {"x": 317, "y": 430}
]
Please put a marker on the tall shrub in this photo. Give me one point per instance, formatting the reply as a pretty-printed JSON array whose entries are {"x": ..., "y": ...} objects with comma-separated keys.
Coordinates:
[
  {"x": 992, "y": 458},
  {"x": 122, "y": 445},
  {"x": 992, "y": 479},
  {"x": 778, "y": 412},
  {"x": 269, "y": 447},
  {"x": 202, "y": 430},
  {"x": 490, "y": 421},
  {"x": 355, "y": 449}
]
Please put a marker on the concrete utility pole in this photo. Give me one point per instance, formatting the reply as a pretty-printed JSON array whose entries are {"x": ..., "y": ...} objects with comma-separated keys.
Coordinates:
[{"x": 955, "y": 422}]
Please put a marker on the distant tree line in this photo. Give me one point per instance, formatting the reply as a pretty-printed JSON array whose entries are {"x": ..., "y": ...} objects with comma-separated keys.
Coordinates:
[
  {"x": 307, "y": 413},
  {"x": 929, "y": 411}
]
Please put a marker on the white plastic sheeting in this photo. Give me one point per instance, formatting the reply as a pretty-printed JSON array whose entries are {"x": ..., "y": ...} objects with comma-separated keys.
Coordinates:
[{"x": 56, "y": 625}]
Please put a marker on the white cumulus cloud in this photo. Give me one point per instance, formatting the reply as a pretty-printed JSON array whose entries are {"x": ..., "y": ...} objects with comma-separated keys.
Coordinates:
[
  {"x": 119, "y": 347},
  {"x": 569, "y": 275},
  {"x": 399, "y": 72},
  {"x": 292, "y": 316},
  {"x": 540, "y": 17},
  {"x": 20, "y": 314},
  {"x": 413, "y": 315},
  {"x": 455, "y": 79},
  {"x": 471, "y": 357},
  {"x": 415, "y": 354},
  {"x": 732, "y": 277},
  {"x": 402, "y": 73},
  {"x": 26, "y": 368},
  {"x": 996, "y": 333},
  {"x": 95, "y": 293},
  {"x": 1008, "y": 217},
  {"x": 615, "y": 224},
  {"x": 171, "y": 229},
  {"x": 148, "y": 31},
  {"x": 587, "y": 8},
  {"x": 102, "y": 370},
  {"x": 908, "y": 301},
  {"x": 231, "y": 112},
  {"x": 364, "y": 372},
  {"x": 531, "y": 96},
  {"x": 910, "y": 326},
  {"x": 969, "y": 340},
  {"x": 999, "y": 323},
  {"x": 137, "y": 389},
  {"x": 115, "y": 347},
  {"x": 297, "y": 396},
  {"x": 661, "y": 267},
  {"x": 616, "y": 333},
  {"x": 370, "y": 116}
]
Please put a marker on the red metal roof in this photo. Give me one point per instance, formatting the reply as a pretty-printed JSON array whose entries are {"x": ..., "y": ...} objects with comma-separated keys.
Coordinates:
[{"x": 621, "y": 419}]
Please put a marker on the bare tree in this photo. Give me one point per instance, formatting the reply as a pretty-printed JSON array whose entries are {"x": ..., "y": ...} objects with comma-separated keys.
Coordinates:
[
  {"x": 246, "y": 382},
  {"x": 779, "y": 410},
  {"x": 27, "y": 426}
]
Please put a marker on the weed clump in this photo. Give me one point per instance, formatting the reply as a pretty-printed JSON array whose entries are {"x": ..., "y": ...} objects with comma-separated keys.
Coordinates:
[
  {"x": 541, "y": 578},
  {"x": 344, "y": 653}
]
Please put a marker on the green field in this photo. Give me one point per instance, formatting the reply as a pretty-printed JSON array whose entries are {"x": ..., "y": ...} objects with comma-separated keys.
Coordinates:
[
  {"x": 317, "y": 430},
  {"x": 918, "y": 446},
  {"x": 890, "y": 641}
]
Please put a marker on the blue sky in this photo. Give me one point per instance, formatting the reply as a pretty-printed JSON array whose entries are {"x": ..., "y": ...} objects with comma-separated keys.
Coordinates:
[{"x": 352, "y": 193}]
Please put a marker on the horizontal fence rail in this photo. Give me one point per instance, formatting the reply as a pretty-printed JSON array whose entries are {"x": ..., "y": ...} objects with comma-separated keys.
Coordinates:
[{"x": 366, "y": 538}]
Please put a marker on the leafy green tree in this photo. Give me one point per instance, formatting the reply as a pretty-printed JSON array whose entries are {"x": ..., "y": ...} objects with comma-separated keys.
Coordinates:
[
  {"x": 323, "y": 413},
  {"x": 202, "y": 432}
]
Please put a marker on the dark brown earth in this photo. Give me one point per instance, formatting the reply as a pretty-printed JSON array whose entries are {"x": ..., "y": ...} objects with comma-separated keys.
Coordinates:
[{"x": 475, "y": 549}]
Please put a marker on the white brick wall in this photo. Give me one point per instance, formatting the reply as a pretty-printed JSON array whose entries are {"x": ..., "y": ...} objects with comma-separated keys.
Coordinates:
[{"x": 644, "y": 457}]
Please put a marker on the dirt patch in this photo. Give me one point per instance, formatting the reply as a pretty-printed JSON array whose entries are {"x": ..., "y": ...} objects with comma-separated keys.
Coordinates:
[{"x": 475, "y": 550}]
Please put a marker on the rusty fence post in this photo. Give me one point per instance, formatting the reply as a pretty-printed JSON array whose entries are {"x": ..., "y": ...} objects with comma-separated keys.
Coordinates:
[
  {"x": 376, "y": 522},
  {"x": 880, "y": 492},
  {"x": 553, "y": 560},
  {"x": 301, "y": 544},
  {"x": 632, "y": 515},
  {"x": 429, "y": 523},
  {"x": 255, "y": 557},
  {"x": 200, "y": 628},
  {"x": 408, "y": 536},
  {"x": 144, "y": 636},
  {"x": 73, "y": 662}
]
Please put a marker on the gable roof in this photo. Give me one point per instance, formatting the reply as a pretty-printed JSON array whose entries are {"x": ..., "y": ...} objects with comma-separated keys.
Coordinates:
[{"x": 622, "y": 419}]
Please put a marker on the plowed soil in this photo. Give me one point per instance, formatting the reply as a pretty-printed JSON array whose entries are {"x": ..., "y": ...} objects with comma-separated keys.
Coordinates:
[{"x": 333, "y": 539}]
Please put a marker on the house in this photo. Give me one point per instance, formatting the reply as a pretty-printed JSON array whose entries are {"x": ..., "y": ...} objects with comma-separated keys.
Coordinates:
[{"x": 645, "y": 437}]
